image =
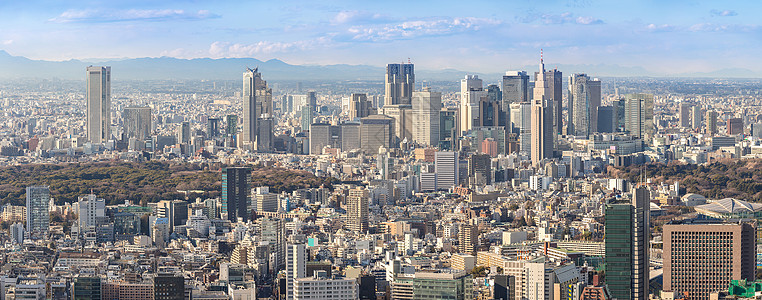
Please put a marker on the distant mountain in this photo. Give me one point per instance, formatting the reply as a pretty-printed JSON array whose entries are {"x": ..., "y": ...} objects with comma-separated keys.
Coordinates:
[{"x": 231, "y": 69}]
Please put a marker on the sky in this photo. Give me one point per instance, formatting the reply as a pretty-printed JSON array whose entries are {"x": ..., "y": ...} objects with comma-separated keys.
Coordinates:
[{"x": 483, "y": 36}]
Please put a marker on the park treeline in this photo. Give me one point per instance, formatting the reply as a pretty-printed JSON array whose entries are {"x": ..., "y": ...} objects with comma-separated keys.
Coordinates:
[
  {"x": 141, "y": 183},
  {"x": 729, "y": 178}
]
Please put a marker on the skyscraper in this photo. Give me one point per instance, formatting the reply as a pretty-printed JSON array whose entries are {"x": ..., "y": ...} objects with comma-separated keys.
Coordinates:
[
  {"x": 257, "y": 101},
  {"x": 639, "y": 114},
  {"x": 542, "y": 145},
  {"x": 296, "y": 266},
  {"x": 37, "y": 211},
  {"x": 91, "y": 209},
  {"x": 399, "y": 84},
  {"x": 376, "y": 131},
  {"x": 584, "y": 100},
  {"x": 515, "y": 87},
  {"x": 426, "y": 109},
  {"x": 734, "y": 126},
  {"x": 594, "y": 89},
  {"x": 98, "y": 104},
  {"x": 213, "y": 128},
  {"x": 357, "y": 210},
  {"x": 627, "y": 246},
  {"x": 137, "y": 122},
  {"x": 471, "y": 93},
  {"x": 359, "y": 106},
  {"x": 548, "y": 86},
  {"x": 308, "y": 110},
  {"x": 697, "y": 117},
  {"x": 685, "y": 114},
  {"x": 711, "y": 122},
  {"x": 272, "y": 232},
  {"x": 521, "y": 122},
  {"x": 236, "y": 193},
  {"x": 183, "y": 133},
  {"x": 232, "y": 125},
  {"x": 703, "y": 256}
]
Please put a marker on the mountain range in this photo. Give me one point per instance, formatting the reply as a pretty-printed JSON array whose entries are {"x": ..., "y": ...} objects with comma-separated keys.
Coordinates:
[{"x": 162, "y": 68}]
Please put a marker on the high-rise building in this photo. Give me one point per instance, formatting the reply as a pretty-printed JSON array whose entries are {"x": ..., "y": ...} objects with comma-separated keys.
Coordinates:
[
  {"x": 98, "y": 104},
  {"x": 521, "y": 122},
  {"x": 308, "y": 110},
  {"x": 257, "y": 102},
  {"x": 86, "y": 288},
  {"x": 446, "y": 168},
  {"x": 232, "y": 125},
  {"x": 329, "y": 289},
  {"x": 639, "y": 114},
  {"x": 91, "y": 210},
  {"x": 548, "y": 87},
  {"x": 471, "y": 94},
  {"x": 711, "y": 122},
  {"x": 703, "y": 256},
  {"x": 542, "y": 145},
  {"x": 426, "y": 109},
  {"x": 183, "y": 133},
  {"x": 734, "y": 126},
  {"x": 515, "y": 87},
  {"x": 212, "y": 128},
  {"x": 236, "y": 193},
  {"x": 402, "y": 114},
  {"x": 296, "y": 266},
  {"x": 594, "y": 92},
  {"x": 606, "y": 119},
  {"x": 376, "y": 131},
  {"x": 357, "y": 210},
  {"x": 266, "y": 201},
  {"x": 175, "y": 211},
  {"x": 685, "y": 114},
  {"x": 627, "y": 246},
  {"x": 350, "y": 136},
  {"x": 272, "y": 232},
  {"x": 480, "y": 169},
  {"x": 468, "y": 238},
  {"x": 448, "y": 128},
  {"x": 697, "y": 117},
  {"x": 137, "y": 122},
  {"x": 579, "y": 105},
  {"x": 399, "y": 84},
  {"x": 37, "y": 211},
  {"x": 359, "y": 106}
]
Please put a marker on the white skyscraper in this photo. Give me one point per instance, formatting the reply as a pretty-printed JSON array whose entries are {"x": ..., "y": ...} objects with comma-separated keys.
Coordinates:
[
  {"x": 446, "y": 168},
  {"x": 426, "y": 109},
  {"x": 471, "y": 93},
  {"x": 296, "y": 266},
  {"x": 638, "y": 115},
  {"x": 98, "y": 104},
  {"x": 90, "y": 209},
  {"x": 257, "y": 103}
]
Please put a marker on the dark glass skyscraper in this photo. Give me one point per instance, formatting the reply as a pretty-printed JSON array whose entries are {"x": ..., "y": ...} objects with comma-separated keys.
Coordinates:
[
  {"x": 236, "y": 193},
  {"x": 627, "y": 244}
]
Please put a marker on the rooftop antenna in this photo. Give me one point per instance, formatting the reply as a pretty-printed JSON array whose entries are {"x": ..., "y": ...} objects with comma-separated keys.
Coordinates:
[
  {"x": 541, "y": 60},
  {"x": 408, "y": 60}
]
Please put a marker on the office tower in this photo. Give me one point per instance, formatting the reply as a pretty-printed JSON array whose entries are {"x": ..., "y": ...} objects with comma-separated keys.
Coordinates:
[
  {"x": 638, "y": 115},
  {"x": 357, "y": 210},
  {"x": 627, "y": 246},
  {"x": 548, "y": 86},
  {"x": 183, "y": 133},
  {"x": 619, "y": 119},
  {"x": 273, "y": 233},
  {"x": 448, "y": 128},
  {"x": 402, "y": 114},
  {"x": 480, "y": 169},
  {"x": 711, "y": 122},
  {"x": 296, "y": 266},
  {"x": 213, "y": 128},
  {"x": 756, "y": 130},
  {"x": 579, "y": 105},
  {"x": 91, "y": 211},
  {"x": 521, "y": 124},
  {"x": 330, "y": 289},
  {"x": 697, "y": 117},
  {"x": 734, "y": 126},
  {"x": 236, "y": 191},
  {"x": 606, "y": 119},
  {"x": 468, "y": 239},
  {"x": 168, "y": 287},
  {"x": 399, "y": 84},
  {"x": 98, "y": 104},
  {"x": 426, "y": 108},
  {"x": 594, "y": 89},
  {"x": 257, "y": 102},
  {"x": 266, "y": 201},
  {"x": 515, "y": 87},
  {"x": 376, "y": 131},
  {"x": 37, "y": 211},
  {"x": 350, "y": 136},
  {"x": 703, "y": 256},
  {"x": 685, "y": 114},
  {"x": 359, "y": 106},
  {"x": 265, "y": 135},
  {"x": 491, "y": 112},
  {"x": 307, "y": 110},
  {"x": 471, "y": 93},
  {"x": 542, "y": 145},
  {"x": 137, "y": 122},
  {"x": 446, "y": 168},
  {"x": 232, "y": 125},
  {"x": 322, "y": 135}
]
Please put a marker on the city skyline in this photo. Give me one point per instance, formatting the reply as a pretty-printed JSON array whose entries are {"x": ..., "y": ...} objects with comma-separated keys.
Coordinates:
[{"x": 664, "y": 38}]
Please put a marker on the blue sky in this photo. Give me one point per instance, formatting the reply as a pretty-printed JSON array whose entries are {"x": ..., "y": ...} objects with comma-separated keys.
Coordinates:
[{"x": 485, "y": 36}]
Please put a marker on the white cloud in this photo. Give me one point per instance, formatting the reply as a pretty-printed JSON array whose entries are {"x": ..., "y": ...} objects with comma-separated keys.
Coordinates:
[
  {"x": 419, "y": 28},
  {"x": 723, "y": 13},
  {"x": 588, "y": 20},
  {"x": 101, "y": 16},
  {"x": 225, "y": 49},
  {"x": 356, "y": 16},
  {"x": 7, "y": 42}
]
